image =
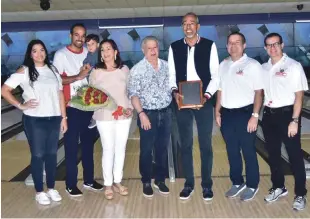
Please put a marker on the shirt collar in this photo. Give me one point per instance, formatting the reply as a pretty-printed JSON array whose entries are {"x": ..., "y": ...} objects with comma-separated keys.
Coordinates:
[
  {"x": 148, "y": 63},
  {"x": 243, "y": 57},
  {"x": 198, "y": 39},
  {"x": 283, "y": 59}
]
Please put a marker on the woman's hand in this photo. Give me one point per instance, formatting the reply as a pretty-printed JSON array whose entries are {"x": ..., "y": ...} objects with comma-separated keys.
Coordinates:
[
  {"x": 63, "y": 126},
  {"x": 128, "y": 112},
  {"x": 33, "y": 103}
]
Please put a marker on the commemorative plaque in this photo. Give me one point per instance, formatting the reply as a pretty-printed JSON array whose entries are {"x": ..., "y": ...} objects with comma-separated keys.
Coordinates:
[{"x": 192, "y": 94}]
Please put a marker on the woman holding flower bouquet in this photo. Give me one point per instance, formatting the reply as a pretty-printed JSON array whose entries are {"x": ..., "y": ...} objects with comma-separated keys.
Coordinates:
[
  {"x": 111, "y": 76},
  {"x": 44, "y": 115}
]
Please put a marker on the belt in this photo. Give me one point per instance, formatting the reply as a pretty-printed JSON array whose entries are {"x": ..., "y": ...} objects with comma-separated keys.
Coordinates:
[
  {"x": 279, "y": 109},
  {"x": 158, "y": 110},
  {"x": 241, "y": 109}
]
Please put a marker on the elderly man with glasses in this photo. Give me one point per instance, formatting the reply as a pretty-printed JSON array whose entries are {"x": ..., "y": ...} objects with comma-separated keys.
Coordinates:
[{"x": 284, "y": 87}]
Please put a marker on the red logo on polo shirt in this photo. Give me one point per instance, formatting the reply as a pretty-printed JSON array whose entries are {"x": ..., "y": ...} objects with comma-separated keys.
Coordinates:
[
  {"x": 281, "y": 73},
  {"x": 269, "y": 103},
  {"x": 240, "y": 72}
]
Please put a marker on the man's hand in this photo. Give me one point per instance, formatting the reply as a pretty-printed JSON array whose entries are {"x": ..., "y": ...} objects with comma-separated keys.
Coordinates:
[
  {"x": 84, "y": 71},
  {"x": 292, "y": 129},
  {"x": 177, "y": 98},
  {"x": 204, "y": 100},
  {"x": 252, "y": 124},
  {"x": 218, "y": 118},
  {"x": 145, "y": 122}
]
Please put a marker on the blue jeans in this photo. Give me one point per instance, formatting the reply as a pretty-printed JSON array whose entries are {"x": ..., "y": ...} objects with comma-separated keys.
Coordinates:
[
  {"x": 43, "y": 135},
  {"x": 237, "y": 139},
  {"x": 204, "y": 121},
  {"x": 157, "y": 137}
]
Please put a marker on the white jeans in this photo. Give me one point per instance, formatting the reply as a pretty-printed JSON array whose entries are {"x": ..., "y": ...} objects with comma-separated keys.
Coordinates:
[{"x": 113, "y": 135}]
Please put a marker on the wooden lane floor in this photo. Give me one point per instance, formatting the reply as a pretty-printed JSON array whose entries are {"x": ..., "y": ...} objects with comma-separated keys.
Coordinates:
[
  {"x": 131, "y": 166},
  {"x": 18, "y": 201},
  {"x": 15, "y": 156}
]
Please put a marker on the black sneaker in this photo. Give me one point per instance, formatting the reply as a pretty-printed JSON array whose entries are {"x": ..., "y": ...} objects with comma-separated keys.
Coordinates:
[
  {"x": 186, "y": 193},
  {"x": 207, "y": 194},
  {"x": 74, "y": 191},
  {"x": 163, "y": 189},
  {"x": 147, "y": 190},
  {"x": 94, "y": 186}
]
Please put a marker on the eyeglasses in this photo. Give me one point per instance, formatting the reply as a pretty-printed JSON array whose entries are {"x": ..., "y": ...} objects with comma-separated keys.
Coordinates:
[{"x": 275, "y": 45}]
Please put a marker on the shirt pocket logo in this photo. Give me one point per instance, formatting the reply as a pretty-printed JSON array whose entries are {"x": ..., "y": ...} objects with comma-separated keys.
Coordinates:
[
  {"x": 281, "y": 73},
  {"x": 240, "y": 72}
]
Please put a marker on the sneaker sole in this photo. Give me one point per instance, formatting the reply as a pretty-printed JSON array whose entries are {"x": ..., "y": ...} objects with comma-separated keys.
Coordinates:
[
  {"x": 273, "y": 200},
  {"x": 43, "y": 203},
  {"x": 148, "y": 196},
  {"x": 249, "y": 199},
  {"x": 207, "y": 199},
  {"x": 164, "y": 193},
  {"x": 91, "y": 188},
  {"x": 185, "y": 198},
  {"x": 53, "y": 199},
  {"x": 235, "y": 195},
  {"x": 73, "y": 195},
  {"x": 299, "y": 209}
]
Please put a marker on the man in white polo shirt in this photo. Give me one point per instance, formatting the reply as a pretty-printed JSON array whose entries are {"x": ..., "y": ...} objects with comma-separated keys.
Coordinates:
[
  {"x": 284, "y": 84},
  {"x": 68, "y": 61},
  {"x": 238, "y": 102}
]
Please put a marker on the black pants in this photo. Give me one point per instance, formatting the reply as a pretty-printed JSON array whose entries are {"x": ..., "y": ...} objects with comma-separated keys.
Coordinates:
[
  {"x": 78, "y": 122},
  {"x": 237, "y": 138},
  {"x": 275, "y": 128},
  {"x": 204, "y": 121}
]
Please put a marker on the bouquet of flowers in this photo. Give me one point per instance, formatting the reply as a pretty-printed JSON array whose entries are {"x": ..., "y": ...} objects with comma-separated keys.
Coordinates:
[{"x": 89, "y": 98}]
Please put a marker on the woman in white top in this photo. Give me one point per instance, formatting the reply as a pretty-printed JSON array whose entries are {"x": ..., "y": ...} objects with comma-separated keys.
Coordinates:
[{"x": 44, "y": 115}]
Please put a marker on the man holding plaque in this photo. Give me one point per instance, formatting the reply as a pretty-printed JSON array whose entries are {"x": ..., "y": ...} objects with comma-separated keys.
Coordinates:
[
  {"x": 193, "y": 59},
  {"x": 149, "y": 91},
  {"x": 239, "y": 99}
]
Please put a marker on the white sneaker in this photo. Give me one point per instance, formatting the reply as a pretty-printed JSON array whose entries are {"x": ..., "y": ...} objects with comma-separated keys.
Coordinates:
[
  {"x": 42, "y": 198},
  {"x": 54, "y": 195}
]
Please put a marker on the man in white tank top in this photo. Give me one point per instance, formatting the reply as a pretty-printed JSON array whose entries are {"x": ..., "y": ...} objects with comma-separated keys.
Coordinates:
[{"x": 69, "y": 61}]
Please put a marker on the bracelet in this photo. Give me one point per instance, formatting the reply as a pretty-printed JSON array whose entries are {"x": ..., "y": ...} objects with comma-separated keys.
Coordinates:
[
  {"x": 140, "y": 112},
  {"x": 65, "y": 117}
]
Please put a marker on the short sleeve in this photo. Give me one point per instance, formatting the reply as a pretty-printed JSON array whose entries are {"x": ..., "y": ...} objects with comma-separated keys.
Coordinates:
[
  {"x": 257, "y": 80},
  {"x": 59, "y": 81},
  {"x": 134, "y": 85},
  {"x": 16, "y": 79},
  {"x": 299, "y": 80},
  {"x": 58, "y": 62}
]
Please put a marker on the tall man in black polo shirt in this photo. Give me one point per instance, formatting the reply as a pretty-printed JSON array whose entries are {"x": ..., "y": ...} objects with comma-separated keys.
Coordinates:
[{"x": 195, "y": 58}]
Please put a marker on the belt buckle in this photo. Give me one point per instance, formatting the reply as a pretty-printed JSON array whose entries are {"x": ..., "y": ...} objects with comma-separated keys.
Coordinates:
[{"x": 272, "y": 111}]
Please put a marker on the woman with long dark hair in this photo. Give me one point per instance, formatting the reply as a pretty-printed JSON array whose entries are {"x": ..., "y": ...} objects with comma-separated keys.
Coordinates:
[
  {"x": 44, "y": 115},
  {"x": 112, "y": 76}
]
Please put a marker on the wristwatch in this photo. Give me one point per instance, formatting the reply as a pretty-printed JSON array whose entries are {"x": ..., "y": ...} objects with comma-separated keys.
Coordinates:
[
  {"x": 256, "y": 115},
  {"x": 296, "y": 120}
]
